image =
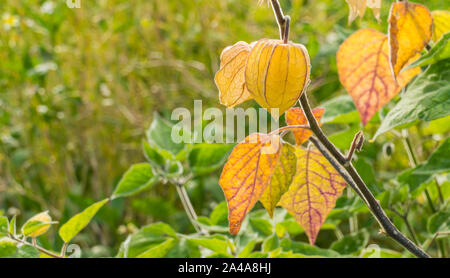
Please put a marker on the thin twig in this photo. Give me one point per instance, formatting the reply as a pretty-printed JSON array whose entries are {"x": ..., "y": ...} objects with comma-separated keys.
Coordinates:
[
  {"x": 413, "y": 162},
  {"x": 287, "y": 25},
  {"x": 63, "y": 250},
  {"x": 404, "y": 217},
  {"x": 39, "y": 248},
  {"x": 187, "y": 205},
  {"x": 438, "y": 188},
  {"x": 279, "y": 16},
  {"x": 289, "y": 127},
  {"x": 356, "y": 145}
]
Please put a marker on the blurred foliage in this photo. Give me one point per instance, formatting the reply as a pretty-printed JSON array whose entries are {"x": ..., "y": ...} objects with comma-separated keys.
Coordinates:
[{"x": 79, "y": 87}]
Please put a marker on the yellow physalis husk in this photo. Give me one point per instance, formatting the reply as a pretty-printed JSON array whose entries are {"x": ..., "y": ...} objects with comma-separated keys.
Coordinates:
[{"x": 277, "y": 73}]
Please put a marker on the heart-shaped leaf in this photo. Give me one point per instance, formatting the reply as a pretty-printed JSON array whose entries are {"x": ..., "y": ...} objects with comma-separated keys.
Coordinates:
[
  {"x": 364, "y": 70},
  {"x": 247, "y": 173},
  {"x": 313, "y": 192}
]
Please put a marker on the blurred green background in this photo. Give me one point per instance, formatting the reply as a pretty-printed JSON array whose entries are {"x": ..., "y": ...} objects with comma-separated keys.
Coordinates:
[{"x": 78, "y": 88}]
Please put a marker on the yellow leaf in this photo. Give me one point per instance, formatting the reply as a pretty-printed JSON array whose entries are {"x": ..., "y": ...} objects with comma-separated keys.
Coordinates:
[
  {"x": 313, "y": 192},
  {"x": 247, "y": 173},
  {"x": 410, "y": 27},
  {"x": 364, "y": 71},
  {"x": 375, "y": 5},
  {"x": 441, "y": 24},
  {"x": 276, "y": 74},
  {"x": 230, "y": 79},
  {"x": 281, "y": 179},
  {"x": 42, "y": 217},
  {"x": 358, "y": 8},
  {"x": 295, "y": 116}
]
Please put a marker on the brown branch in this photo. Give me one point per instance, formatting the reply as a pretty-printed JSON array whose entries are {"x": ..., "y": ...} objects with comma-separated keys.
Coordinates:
[
  {"x": 361, "y": 189},
  {"x": 346, "y": 168},
  {"x": 374, "y": 206},
  {"x": 279, "y": 16},
  {"x": 314, "y": 125},
  {"x": 287, "y": 26},
  {"x": 40, "y": 249}
]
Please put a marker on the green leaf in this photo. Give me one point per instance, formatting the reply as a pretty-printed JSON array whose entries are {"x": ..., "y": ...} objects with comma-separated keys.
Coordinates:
[
  {"x": 427, "y": 98},
  {"x": 206, "y": 158},
  {"x": 340, "y": 109},
  {"x": 214, "y": 244},
  {"x": 219, "y": 215},
  {"x": 137, "y": 178},
  {"x": 258, "y": 255},
  {"x": 343, "y": 139},
  {"x": 413, "y": 180},
  {"x": 306, "y": 249},
  {"x": 159, "y": 135},
  {"x": 290, "y": 254},
  {"x": 153, "y": 156},
  {"x": 247, "y": 250},
  {"x": 12, "y": 226},
  {"x": 145, "y": 239},
  {"x": 271, "y": 243},
  {"x": 173, "y": 169},
  {"x": 160, "y": 229},
  {"x": 439, "y": 160},
  {"x": 160, "y": 250},
  {"x": 220, "y": 256},
  {"x": 400, "y": 194},
  {"x": 350, "y": 244},
  {"x": 8, "y": 248},
  {"x": 290, "y": 225},
  {"x": 26, "y": 251},
  {"x": 439, "y": 222},
  {"x": 379, "y": 253},
  {"x": 4, "y": 226},
  {"x": 439, "y": 126},
  {"x": 445, "y": 188},
  {"x": 77, "y": 223},
  {"x": 365, "y": 170},
  {"x": 440, "y": 51},
  {"x": 184, "y": 249},
  {"x": 261, "y": 226}
]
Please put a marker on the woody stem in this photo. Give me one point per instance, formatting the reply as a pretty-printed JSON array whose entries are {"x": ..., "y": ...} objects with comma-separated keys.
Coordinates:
[
  {"x": 354, "y": 179},
  {"x": 345, "y": 167}
]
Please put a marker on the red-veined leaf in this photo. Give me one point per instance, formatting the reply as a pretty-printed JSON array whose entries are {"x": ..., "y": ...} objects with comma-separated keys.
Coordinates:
[
  {"x": 364, "y": 71},
  {"x": 247, "y": 173},
  {"x": 313, "y": 192}
]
